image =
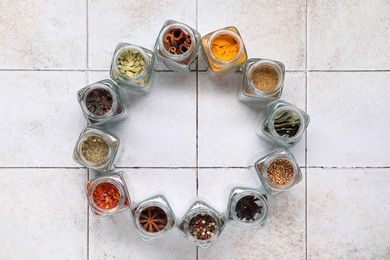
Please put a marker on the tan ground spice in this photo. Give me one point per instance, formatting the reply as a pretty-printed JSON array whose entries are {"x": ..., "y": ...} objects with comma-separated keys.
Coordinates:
[
  {"x": 280, "y": 172},
  {"x": 265, "y": 78},
  {"x": 94, "y": 149}
]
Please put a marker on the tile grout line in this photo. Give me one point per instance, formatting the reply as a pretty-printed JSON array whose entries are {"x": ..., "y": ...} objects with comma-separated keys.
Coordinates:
[
  {"x": 87, "y": 72},
  {"x": 202, "y": 167},
  {"x": 306, "y": 108}
]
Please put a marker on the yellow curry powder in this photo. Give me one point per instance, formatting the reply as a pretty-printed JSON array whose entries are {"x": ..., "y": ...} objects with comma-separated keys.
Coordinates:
[{"x": 224, "y": 47}]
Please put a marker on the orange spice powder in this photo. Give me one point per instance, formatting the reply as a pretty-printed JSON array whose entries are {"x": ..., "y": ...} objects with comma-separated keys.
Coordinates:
[{"x": 224, "y": 48}]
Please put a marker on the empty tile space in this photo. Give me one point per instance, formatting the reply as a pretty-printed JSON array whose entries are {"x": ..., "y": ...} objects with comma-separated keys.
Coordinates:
[
  {"x": 43, "y": 34},
  {"x": 37, "y": 108},
  {"x": 348, "y": 35},
  {"x": 227, "y": 127},
  {"x": 349, "y": 115},
  {"x": 160, "y": 129},
  {"x": 44, "y": 214},
  {"x": 348, "y": 213},
  {"x": 270, "y": 29},
  {"x": 111, "y": 22},
  {"x": 283, "y": 234},
  {"x": 116, "y": 236}
]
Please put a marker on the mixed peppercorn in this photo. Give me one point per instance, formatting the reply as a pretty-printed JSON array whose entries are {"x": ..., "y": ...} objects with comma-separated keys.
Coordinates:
[{"x": 202, "y": 226}]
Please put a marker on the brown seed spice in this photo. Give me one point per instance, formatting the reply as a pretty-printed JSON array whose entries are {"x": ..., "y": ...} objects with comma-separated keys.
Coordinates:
[
  {"x": 280, "y": 172},
  {"x": 265, "y": 78}
]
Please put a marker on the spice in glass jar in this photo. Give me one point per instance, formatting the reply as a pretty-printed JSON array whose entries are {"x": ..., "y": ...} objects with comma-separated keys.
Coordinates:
[
  {"x": 106, "y": 196},
  {"x": 99, "y": 102},
  {"x": 280, "y": 172},
  {"x": 224, "y": 47},
  {"x": 153, "y": 219},
  {"x": 249, "y": 208},
  {"x": 177, "y": 41},
  {"x": 287, "y": 123},
  {"x": 131, "y": 63},
  {"x": 94, "y": 149},
  {"x": 265, "y": 78},
  {"x": 202, "y": 226}
]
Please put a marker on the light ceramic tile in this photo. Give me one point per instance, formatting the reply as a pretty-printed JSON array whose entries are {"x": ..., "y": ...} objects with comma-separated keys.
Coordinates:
[
  {"x": 43, "y": 34},
  {"x": 348, "y": 214},
  {"x": 349, "y": 125},
  {"x": 44, "y": 214},
  {"x": 41, "y": 118},
  {"x": 116, "y": 237},
  {"x": 270, "y": 29},
  {"x": 112, "y": 22},
  {"x": 227, "y": 128},
  {"x": 160, "y": 130},
  {"x": 348, "y": 35},
  {"x": 284, "y": 233}
]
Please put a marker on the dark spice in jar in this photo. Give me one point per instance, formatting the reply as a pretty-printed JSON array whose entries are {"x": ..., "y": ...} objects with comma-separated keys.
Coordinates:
[
  {"x": 202, "y": 226},
  {"x": 94, "y": 149},
  {"x": 248, "y": 208},
  {"x": 106, "y": 196},
  {"x": 265, "y": 78},
  {"x": 280, "y": 172},
  {"x": 99, "y": 101},
  {"x": 153, "y": 219},
  {"x": 177, "y": 41},
  {"x": 287, "y": 123}
]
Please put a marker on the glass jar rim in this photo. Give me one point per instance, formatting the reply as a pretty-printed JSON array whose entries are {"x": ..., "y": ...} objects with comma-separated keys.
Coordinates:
[
  {"x": 102, "y": 135},
  {"x": 186, "y": 29},
  {"x": 232, "y": 34},
  {"x": 276, "y": 67},
  {"x": 129, "y": 47},
  {"x": 199, "y": 211},
  {"x": 243, "y": 194},
  {"x": 114, "y": 101},
  {"x": 121, "y": 191},
  {"x": 147, "y": 204},
  {"x": 269, "y": 160},
  {"x": 271, "y": 126}
]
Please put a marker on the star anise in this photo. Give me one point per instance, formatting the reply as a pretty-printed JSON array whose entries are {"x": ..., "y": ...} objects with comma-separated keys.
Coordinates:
[
  {"x": 153, "y": 219},
  {"x": 247, "y": 208}
]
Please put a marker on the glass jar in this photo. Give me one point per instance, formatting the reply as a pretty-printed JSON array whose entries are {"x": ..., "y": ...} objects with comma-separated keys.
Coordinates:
[
  {"x": 134, "y": 77},
  {"x": 219, "y": 67},
  {"x": 101, "y": 102},
  {"x": 278, "y": 171},
  {"x": 107, "y": 195},
  {"x": 249, "y": 91},
  {"x": 184, "y": 42},
  {"x": 202, "y": 224},
  {"x": 247, "y": 207},
  {"x": 96, "y": 149},
  {"x": 284, "y": 123},
  {"x": 153, "y": 217}
]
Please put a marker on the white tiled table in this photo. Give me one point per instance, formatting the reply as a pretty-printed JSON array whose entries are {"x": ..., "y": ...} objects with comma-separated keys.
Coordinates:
[{"x": 190, "y": 135}]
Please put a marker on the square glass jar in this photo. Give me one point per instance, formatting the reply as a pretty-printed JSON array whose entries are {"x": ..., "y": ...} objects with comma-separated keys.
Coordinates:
[
  {"x": 247, "y": 207},
  {"x": 96, "y": 149},
  {"x": 202, "y": 224},
  {"x": 278, "y": 171},
  {"x": 218, "y": 67},
  {"x": 284, "y": 123},
  {"x": 133, "y": 78},
  {"x": 247, "y": 90},
  {"x": 153, "y": 217},
  {"x": 102, "y": 91},
  {"x": 181, "y": 38},
  {"x": 107, "y": 195}
]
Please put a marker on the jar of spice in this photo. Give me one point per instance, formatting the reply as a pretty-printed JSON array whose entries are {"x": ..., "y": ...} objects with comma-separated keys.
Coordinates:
[
  {"x": 107, "y": 195},
  {"x": 101, "y": 102},
  {"x": 132, "y": 67},
  {"x": 96, "y": 149},
  {"x": 177, "y": 46},
  {"x": 153, "y": 217},
  {"x": 224, "y": 51},
  {"x": 284, "y": 123},
  {"x": 247, "y": 207},
  {"x": 202, "y": 224},
  {"x": 278, "y": 171},
  {"x": 261, "y": 81}
]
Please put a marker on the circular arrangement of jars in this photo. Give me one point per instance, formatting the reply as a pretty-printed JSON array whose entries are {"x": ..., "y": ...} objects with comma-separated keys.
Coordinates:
[{"x": 132, "y": 69}]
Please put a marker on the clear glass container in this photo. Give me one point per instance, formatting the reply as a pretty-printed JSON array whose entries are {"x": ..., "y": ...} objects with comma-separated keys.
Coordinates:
[
  {"x": 107, "y": 195},
  {"x": 247, "y": 207},
  {"x": 173, "y": 31},
  {"x": 202, "y": 224},
  {"x": 247, "y": 91},
  {"x": 96, "y": 116},
  {"x": 284, "y": 123},
  {"x": 218, "y": 68},
  {"x": 87, "y": 155},
  {"x": 275, "y": 176},
  {"x": 141, "y": 83},
  {"x": 153, "y": 217}
]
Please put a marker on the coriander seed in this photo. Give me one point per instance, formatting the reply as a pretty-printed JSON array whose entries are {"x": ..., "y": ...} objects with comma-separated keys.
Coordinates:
[{"x": 280, "y": 172}]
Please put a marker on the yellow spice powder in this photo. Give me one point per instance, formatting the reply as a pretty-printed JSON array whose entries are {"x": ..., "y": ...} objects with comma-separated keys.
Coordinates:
[{"x": 224, "y": 47}]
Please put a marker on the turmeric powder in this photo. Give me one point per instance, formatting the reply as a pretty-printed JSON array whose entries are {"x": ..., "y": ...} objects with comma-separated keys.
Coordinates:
[{"x": 224, "y": 48}]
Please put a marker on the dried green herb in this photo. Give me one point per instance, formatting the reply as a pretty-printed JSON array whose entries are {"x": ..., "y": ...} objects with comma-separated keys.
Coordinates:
[{"x": 287, "y": 123}]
